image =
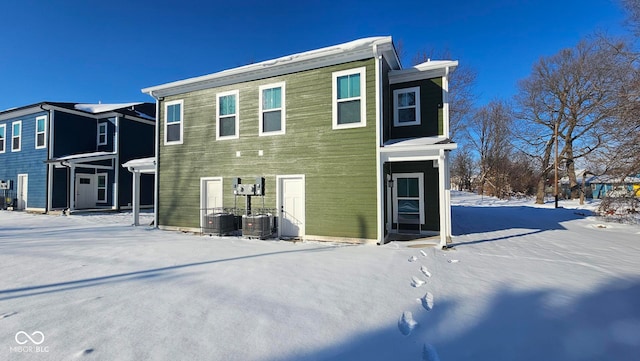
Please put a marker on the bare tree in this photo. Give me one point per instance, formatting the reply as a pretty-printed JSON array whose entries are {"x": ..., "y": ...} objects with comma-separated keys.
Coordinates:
[
  {"x": 461, "y": 89},
  {"x": 489, "y": 132},
  {"x": 462, "y": 169},
  {"x": 633, "y": 18},
  {"x": 574, "y": 96}
]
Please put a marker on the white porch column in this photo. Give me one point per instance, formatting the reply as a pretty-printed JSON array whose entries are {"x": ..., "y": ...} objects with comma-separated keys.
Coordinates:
[
  {"x": 72, "y": 187},
  {"x": 442, "y": 195},
  {"x": 447, "y": 191},
  {"x": 136, "y": 198}
]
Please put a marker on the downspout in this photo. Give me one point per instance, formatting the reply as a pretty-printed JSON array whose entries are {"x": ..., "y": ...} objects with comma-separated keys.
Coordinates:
[
  {"x": 116, "y": 169},
  {"x": 380, "y": 222},
  {"x": 156, "y": 179},
  {"x": 445, "y": 103}
]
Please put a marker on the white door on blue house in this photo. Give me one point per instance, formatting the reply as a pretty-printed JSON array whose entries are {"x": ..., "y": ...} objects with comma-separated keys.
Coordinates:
[
  {"x": 23, "y": 187},
  {"x": 86, "y": 191},
  {"x": 292, "y": 206}
]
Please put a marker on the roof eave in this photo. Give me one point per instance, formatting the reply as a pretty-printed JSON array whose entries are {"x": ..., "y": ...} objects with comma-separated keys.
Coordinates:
[{"x": 285, "y": 65}]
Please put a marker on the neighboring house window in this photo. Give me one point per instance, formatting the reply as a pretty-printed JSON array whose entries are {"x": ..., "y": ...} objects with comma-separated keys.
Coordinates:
[
  {"x": 408, "y": 198},
  {"x": 173, "y": 122},
  {"x": 272, "y": 109},
  {"x": 349, "y": 100},
  {"x": 3, "y": 136},
  {"x": 16, "y": 136},
  {"x": 102, "y": 133},
  {"x": 41, "y": 132},
  {"x": 102, "y": 187},
  {"x": 227, "y": 121},
  {"x": 406, "y": 107}
]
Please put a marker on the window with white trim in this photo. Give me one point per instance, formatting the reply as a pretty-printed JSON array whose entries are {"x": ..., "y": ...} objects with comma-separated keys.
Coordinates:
[
  {"x": 227, "y": 119},
  {"x": 173, "y": 122},
  {"x": 3, "y": 137},
  {"x": 102, "y": 187},
  {"x": 408, "y": 198},
  {"x": 272, "y": 109},
  {"x": 16, "y": 136},
  {"x": 349, "y": 98},
  {"x": 102, "y": 133},
  {"x": 406, "y": 107},
  {"x": 41, "y": 132}
]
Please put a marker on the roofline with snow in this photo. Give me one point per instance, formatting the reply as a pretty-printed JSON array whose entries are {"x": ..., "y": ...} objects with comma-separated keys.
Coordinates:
[
  {"x": 46, "y": 106},
  {"x": 313, "y": 59}
]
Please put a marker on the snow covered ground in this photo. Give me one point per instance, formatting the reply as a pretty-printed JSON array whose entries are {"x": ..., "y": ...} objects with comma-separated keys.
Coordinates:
[{"x": 522, "y": 282}]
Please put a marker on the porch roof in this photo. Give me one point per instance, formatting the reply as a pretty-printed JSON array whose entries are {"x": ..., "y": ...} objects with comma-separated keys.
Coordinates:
[
  {"x": 83, "y": 158},
  {"x": 143, "y": 165}
]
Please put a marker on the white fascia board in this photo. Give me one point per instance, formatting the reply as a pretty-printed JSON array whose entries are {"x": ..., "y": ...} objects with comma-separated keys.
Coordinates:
[
  {"x": 427, "y": 70},
  {"x": 343, "y": 53},
  {"x": 414, "y": 153}
]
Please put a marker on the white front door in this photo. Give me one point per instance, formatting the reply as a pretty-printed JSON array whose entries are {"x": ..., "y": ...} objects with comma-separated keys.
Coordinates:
[
  {"x": 86, "y": 191},
  {"x": 211, "y": 196},
  {"x": 23, "y": 187},
  {"x": 408, "y": 201},
  {"x": 291, "y": 199}
]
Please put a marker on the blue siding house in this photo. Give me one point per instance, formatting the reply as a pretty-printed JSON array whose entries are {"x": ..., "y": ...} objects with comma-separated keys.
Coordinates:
[{"x": 56, "y": 156}]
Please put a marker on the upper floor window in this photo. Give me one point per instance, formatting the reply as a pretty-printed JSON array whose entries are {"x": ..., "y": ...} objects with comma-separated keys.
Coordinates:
[
  {"x": 102, "y": 133},
  {"x": 16, "y": 136},
  {"x": 272, "y": 109},
  {"x": 227, "y": 119},
  {"x": 3, "y": 135},
  {"x": 406, "y": 107},
  {"x": 41, "y": 132},
  {"x": 173, "y": 122},
  {"x": 349, "y": 99}
]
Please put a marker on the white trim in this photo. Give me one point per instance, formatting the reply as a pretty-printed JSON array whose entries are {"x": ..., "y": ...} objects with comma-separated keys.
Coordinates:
[
  {"x": 203, "y": 201},
  {"x": 44, "y": 132},
  {"x": 445, "y": 104},
  {"x": 4, "y": 138},
  {"x": 102, "y": 125},
  {"x": 279, "y": 204},
  {"x": 416, "y": 107},
  {"x": 19, "y": 123},
  {"x": 420, "y": 197},
  {"x": 115, "y": 203},
  {"x": 236, "y": 94},
  {"x": 282, "y": 109},
  {"x": 379, "y": 168},
  {"x": 427, "y": 70},
  {"x": 165, "y": 124},
  {"x": 362, "y": 71}
]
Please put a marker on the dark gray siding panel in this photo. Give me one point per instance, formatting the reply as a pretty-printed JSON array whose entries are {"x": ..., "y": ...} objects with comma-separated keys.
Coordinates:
[
  {"x": 430, "y": 109},
  {"x": 73, "y": 134},
  {"x": 136, "y": 141}
]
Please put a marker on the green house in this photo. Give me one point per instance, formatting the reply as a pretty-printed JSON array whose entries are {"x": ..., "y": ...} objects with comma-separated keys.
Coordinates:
[{"x": 338, "y": 144}]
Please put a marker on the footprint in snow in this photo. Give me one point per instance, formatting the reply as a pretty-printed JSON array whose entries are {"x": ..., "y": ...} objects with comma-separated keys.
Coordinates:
[
  {"x": 429, "y": 353},
  {"x": 425, "y": 271},
  {"x": 427, "y": 301},
  {"x": 453, "y": 261},
  {"x": 406, "y": 324},
  {"x": 85, "y": 352},
  {"x": 413, "y": 259},
  {"x": 9, "y": 314},
  {"x": 416, "y": 282},
  {"x": 424, "y": 254}
]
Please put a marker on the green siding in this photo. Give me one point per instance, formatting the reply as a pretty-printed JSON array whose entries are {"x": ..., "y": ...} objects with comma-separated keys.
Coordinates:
[{"x": 339, "y": 165}]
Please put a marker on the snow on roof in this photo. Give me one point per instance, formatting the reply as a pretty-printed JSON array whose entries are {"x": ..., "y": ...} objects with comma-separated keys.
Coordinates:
[
  {"x": 85, "y": 155},
  {"x": 413, "y": 142},
  {"x": 101, "y": 108},
  {"x": 261, "y": 69},
  {"x": 140, "y": 162}
]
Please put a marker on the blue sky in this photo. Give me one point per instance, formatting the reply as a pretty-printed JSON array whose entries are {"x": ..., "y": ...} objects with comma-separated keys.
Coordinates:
[{"x": 90, "y": 51}]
